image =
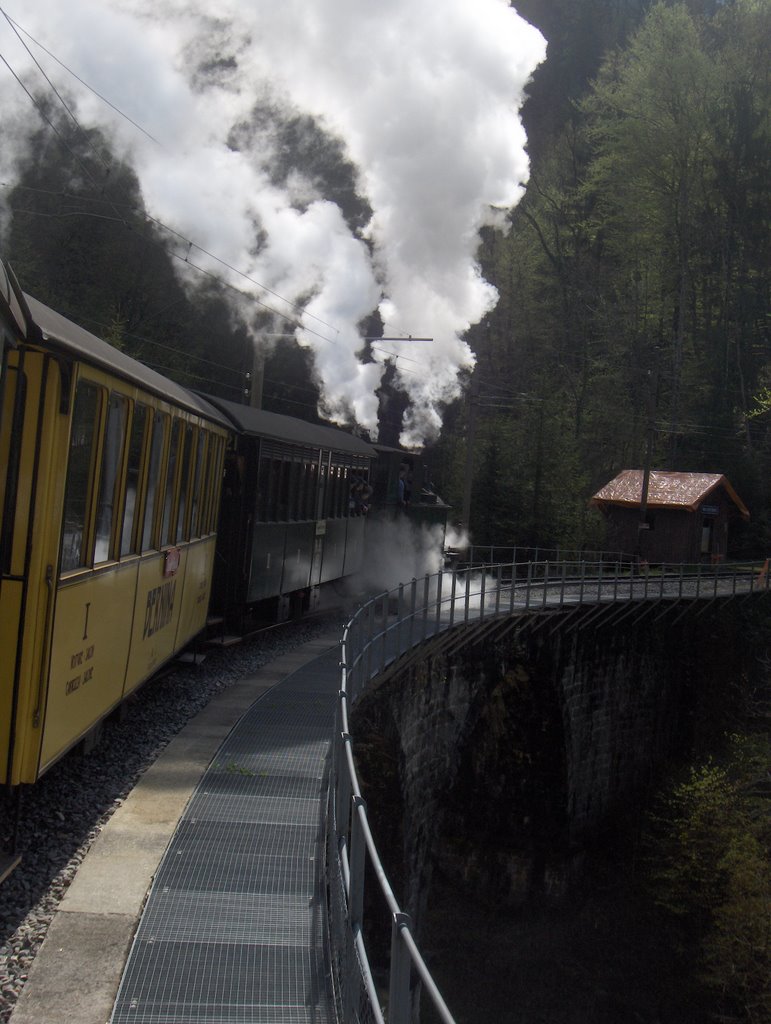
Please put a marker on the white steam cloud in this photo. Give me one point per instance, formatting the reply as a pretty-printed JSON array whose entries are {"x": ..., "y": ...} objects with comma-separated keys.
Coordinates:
[{"x": 421, "y": 99}]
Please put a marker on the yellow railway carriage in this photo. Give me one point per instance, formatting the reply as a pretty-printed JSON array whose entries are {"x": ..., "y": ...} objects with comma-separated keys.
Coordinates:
[{"x": 110, "y": 478}]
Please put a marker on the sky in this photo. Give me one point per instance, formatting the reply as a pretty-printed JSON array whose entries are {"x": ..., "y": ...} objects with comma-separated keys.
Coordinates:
[{"x": 341, "y": 156}]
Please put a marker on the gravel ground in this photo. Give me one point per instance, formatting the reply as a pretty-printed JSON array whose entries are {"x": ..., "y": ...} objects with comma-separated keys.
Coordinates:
[{"x": 66, "y": 810}]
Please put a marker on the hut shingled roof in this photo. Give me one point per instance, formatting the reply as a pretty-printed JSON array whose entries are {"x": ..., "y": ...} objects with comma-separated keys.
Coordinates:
[{"x": 666, "y": 489}]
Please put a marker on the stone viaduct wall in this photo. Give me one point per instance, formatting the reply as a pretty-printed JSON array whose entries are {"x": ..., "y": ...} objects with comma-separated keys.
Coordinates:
[{"x": 503, "y": 762}]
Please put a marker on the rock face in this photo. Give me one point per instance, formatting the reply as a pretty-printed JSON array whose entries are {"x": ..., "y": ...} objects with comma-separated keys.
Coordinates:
[{"x": 500, "y": 764}]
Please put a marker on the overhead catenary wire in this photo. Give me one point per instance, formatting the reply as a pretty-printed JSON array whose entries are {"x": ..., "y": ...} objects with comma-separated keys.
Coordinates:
[
  {"x": 148, "y": 218},
  {"x": 77, "y": 78},
  {"x": 123, "y": 212},
  {"x": 55, "y": 91}
]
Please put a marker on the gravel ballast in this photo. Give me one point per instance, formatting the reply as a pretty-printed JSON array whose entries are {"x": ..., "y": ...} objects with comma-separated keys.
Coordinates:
[{"x": 67, "y": 809}]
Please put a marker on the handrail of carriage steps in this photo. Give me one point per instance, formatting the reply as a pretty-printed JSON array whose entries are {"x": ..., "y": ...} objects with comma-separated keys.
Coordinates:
[{"x": 394, "y": 622}]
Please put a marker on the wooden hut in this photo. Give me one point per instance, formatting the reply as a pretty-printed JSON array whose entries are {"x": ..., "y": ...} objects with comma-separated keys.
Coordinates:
[{"x": 686, "y": 517}]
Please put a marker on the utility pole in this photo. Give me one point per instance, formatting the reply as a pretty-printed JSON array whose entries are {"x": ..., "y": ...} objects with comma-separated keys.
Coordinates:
[
  {"x": 258, "y": 378},
  {"x": 470, "y": 437},
  {"x": 538, "y": 467},
  {"x": 649, "y": 430}
]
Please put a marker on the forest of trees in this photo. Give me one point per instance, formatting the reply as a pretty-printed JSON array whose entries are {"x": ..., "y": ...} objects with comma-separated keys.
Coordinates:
[{"x": 633, "y": 282}]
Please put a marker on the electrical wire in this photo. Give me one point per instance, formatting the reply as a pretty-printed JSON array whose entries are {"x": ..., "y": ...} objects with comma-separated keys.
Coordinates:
[
  {"x": 190, "y": 244},
  {"x": 15, "y": 25}
]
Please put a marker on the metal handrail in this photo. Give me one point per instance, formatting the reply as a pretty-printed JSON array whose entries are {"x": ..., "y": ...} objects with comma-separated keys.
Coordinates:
[
  {"x": 499, "y": 554},
  {"x": 393, "y": 623}
]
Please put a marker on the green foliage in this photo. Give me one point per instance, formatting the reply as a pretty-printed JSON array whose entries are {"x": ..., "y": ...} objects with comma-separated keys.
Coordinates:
[
  {"x": 710, "y": 843},
  {"x": 635, "y": 279}
]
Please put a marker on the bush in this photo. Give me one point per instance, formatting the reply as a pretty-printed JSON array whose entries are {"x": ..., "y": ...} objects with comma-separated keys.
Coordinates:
[{"x": 709, "y": 861}]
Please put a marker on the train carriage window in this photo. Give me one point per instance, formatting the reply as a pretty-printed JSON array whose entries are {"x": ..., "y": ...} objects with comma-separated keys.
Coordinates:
[
  {"x": 184, "y": 482},
  {"x": 321, "y": 496},
  {"x": 264, "y": 479},
  {"x": 333, "y": 489},
  {"x": 284, "y": 468},
  {"x": 153, "y": 479},
  {"x": 211, "y": 484},
  {"x": 294, "y": 481},
  {"x": 273, "y": 481},
  {"x": 302, "y": 485},
  {"x": 80, "y": 472},
  {"x": 167, "y": 530},
  {"x": 195, "y": 496},
  {"x": 344, "y": 501},
  {"x": 139, "y": 426},
  {"x": 216, "y": 451},
  {"x": 219, "y": 458},
  {"x": 336, "y": 496},
  {"x": 110, "y": 477},
  {"x": 208, "y": 481},
  {"x": 312, "y": 472},
  {"x": 329, "y": 506}
]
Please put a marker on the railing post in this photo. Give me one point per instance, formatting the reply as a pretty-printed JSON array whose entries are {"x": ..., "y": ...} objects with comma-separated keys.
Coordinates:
[
  {"x": 399, "y": 620},
  {"x": 426, "y": 586},
  {"x": 498, "y": 580},
  {"x": 353, "y": 670},
  {"x": 599, "y": 580},
  {"x": 453, "y": 587},
  {"x": 482, "y": 588},
  {"x": 513, "y": 585},
  {"x": 399, "y": 1008},
  {"x": 357, "y": 863},
  {"x": 545, "y": 583},
  {"x": 371, "y": 633},
  {"x": 343, "y": 793},
  {"x": 582, "y": 578},
  {"x": 529, "y": 581},
  {"x": 468, "y": 596},
  {"x": 413, "y": 606},
  {"x": 439, "y": 582},
  {"x": 384, "y": 632}
]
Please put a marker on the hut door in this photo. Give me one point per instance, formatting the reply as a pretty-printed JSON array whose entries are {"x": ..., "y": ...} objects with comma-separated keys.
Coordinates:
[{"x": 706, "y": 536}]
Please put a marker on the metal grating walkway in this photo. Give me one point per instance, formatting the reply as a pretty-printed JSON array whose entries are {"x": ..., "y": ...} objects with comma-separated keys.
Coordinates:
[{"x": 234, "y": 927}]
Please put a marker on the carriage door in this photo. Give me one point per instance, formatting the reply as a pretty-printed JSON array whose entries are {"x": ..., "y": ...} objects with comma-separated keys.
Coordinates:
[
  {"x": 12, "y": 531},
  {"x": 30, "y": 402}
]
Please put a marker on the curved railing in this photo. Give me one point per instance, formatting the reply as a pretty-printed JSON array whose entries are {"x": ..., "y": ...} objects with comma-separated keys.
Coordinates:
[{"x": 380, "y": 633}]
